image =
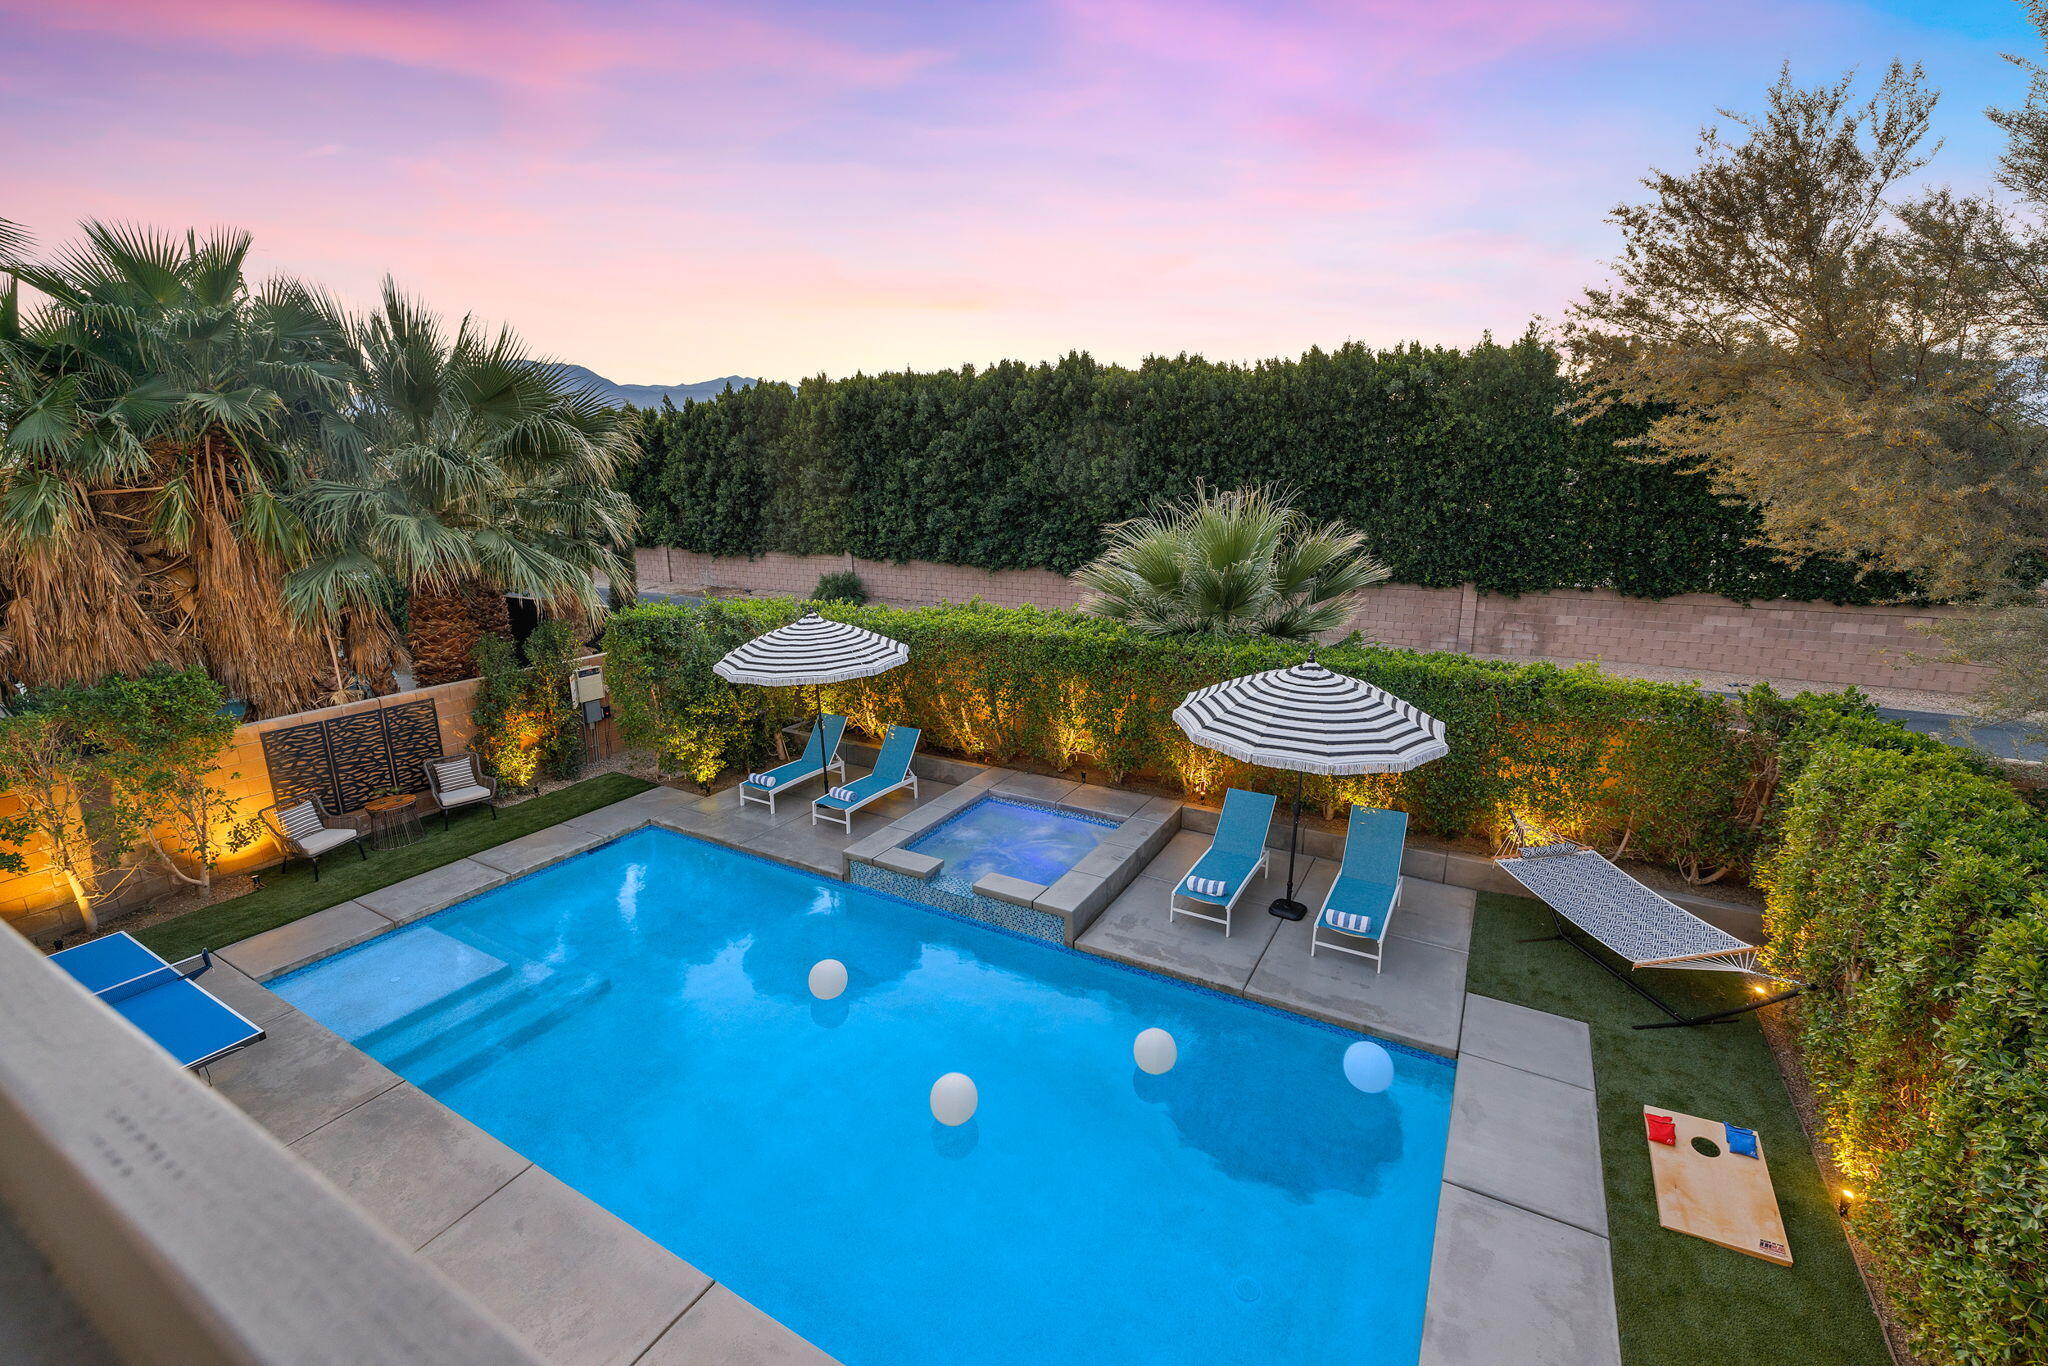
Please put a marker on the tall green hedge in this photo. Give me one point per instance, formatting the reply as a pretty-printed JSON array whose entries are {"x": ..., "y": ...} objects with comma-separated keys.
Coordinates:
[
  {"x": 1456, "y": 464},
  {"x": 1906, "y": 890},
  {"x": 1603, "y": 757}
]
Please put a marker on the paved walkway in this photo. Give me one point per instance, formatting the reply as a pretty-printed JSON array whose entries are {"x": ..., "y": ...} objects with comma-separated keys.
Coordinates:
[{"x": 1521, "y": 1268}]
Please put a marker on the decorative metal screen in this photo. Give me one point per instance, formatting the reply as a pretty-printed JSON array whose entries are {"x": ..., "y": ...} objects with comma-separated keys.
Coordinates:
[{"x": 350, "y": 759}]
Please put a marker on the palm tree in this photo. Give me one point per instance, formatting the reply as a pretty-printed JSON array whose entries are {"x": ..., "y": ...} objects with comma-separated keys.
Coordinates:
[
  {"x": 155, "y": 414},
  {"x": 1242, "y": 563},
  {"x": 463, "y": 470}
]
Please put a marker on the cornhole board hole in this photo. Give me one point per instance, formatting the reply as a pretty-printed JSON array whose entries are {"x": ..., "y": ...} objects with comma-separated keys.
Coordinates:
[{"x": 1726, "y": 1199}]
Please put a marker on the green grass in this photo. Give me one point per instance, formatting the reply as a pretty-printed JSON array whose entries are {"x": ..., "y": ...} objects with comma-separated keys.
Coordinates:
[
  {"x": 288, "y": 895},
  {"x": 1683, "y": 1301}
]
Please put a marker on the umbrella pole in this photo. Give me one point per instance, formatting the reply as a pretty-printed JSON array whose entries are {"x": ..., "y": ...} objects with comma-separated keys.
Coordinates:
[{"x": 1287, "y": 908}]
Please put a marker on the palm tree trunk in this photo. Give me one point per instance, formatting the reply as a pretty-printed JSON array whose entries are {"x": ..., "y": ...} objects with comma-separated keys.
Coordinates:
[{"x": 443, "y": 628}]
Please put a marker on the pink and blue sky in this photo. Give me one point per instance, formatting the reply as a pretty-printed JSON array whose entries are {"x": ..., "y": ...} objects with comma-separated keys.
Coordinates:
[{"x": 669, "y": 191}]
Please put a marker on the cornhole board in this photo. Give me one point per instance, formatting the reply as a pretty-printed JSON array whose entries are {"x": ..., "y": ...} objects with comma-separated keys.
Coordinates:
[{"x": 1726, "y": 1199}]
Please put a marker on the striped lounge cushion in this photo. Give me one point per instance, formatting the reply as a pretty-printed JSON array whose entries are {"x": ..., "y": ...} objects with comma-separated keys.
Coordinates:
[
  {"x": 1350, "y": 923},
  {"x": 453, "y": 773},
  {"x": 761, "y": 780},
  {"x": 301, "y": 820},
  {"x": 845, "y": 794},
  {"x": 1206, "y": 886}
]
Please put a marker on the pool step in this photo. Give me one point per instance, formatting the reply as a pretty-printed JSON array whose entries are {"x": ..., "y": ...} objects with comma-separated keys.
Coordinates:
[
  {"x": 482, "y": 1010},
  {"x": 463, "y": 1054}
]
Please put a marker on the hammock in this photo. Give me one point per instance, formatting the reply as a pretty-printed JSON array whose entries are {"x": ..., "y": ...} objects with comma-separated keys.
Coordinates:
[{"x": 1634, "y": 923}]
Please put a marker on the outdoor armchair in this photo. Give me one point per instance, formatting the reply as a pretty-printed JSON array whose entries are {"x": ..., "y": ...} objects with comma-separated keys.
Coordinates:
[
  {"x": 305, "y": 830},
  {"x": 458, "y": 780}
]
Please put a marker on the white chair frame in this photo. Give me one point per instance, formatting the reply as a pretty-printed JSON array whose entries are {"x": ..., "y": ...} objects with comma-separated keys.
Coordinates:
[
  {"x": 1174, "y": 908},
  {"x": 1375, "y": 955}
]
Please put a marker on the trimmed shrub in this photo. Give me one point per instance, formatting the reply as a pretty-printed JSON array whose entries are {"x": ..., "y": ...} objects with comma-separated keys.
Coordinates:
[
  {"x": 1905, "y": 891},
  {"x": 526, "y": 726},
  {"x": 844, "y": 586},
  {"x": 1457, "y": 465},
  {"x": 1658, "y": 765}
]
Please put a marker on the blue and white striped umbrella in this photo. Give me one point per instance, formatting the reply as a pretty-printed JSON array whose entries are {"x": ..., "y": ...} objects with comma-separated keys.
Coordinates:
[
  {"x": 1310, "y": 720},
  {"x": 811, "y": 650}
]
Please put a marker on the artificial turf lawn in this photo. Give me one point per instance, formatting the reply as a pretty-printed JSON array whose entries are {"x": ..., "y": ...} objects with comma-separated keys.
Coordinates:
[
  {"x": 289, "y": 894},
  {"x": 1683, "y": 1301}
]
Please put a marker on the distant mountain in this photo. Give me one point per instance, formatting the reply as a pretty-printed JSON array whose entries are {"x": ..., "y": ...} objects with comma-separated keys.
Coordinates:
[{"x": 649, "y": 395}]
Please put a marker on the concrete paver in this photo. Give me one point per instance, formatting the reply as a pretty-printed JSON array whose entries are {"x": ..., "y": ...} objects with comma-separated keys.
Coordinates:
[
  {"x": 1533, "y": 1040},
  {"x": 583, "y": 1287},
  {"x": 724, "y": 1329},
  {"x": 275, "y": 952},
  {"x": 1527, "y": 1140},
  {"x": 1507, "y": 1286},
  {"x": 411, "y": 1164},
  {"x": 300, "y": 1077}
]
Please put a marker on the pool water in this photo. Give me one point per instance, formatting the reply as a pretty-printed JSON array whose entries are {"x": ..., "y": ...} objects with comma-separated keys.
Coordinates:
[
  {"x": 996, "y": 835},
  {"x": 636, "y": 1021}
]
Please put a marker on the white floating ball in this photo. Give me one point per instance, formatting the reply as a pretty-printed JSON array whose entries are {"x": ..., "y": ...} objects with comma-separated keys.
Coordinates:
[
  {"x": 954, "y": 1099},
  {"x": 1368, "y": 1067},
  {"x": 828, "y": 978},
  {"x": 1155, "y": 1051}
]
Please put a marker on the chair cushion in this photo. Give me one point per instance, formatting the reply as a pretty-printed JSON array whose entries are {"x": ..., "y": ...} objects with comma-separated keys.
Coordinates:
[
  {"x": 1206, "y": 886},
  {"x": 762, "y": 780},
  {"x": 1352, "y": 923},
  {"x": 453, "y": 773},
  {"x": 320, "y": 841},
  {"x": 300, "y": 821},
  {"x": 463, "y": 796},
  {"x": 845, "y": 794}
]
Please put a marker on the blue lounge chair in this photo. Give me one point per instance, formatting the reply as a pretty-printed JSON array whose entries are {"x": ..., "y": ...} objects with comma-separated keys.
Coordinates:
[
  {"x": 820, "y": 756},
  {"x": 1368, "y": 886},
  {"x": 1235, "y": 857},
  {"x": 891, "y": 772}
]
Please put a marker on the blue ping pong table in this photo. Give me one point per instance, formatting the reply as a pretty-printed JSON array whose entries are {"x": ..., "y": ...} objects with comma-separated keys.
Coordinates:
[{"x": 158, "y": 998}]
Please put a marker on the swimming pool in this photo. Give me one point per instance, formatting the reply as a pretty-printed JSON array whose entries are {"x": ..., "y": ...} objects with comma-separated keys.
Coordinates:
[
  {"x": 636, "y": 1021},
  {"x": 1026, "y": 840}
]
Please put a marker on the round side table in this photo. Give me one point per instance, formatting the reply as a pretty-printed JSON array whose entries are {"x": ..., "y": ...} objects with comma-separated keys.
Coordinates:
[{"x": 394, "y": 820}]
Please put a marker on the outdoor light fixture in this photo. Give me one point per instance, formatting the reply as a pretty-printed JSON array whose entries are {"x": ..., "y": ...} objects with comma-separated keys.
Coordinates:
[{"x": 1842, "y": 1205}]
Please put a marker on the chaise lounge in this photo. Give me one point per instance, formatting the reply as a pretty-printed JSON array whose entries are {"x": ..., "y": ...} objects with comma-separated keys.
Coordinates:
[
  {"x": 1368, "y": 887},
  {"x": 891, "y": 772},
  {"x": 1234, "y": 857},
  {"x": 820, "y": 756}
]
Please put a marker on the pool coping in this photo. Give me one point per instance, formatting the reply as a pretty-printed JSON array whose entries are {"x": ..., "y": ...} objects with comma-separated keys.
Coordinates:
[{"x": 1512, "y": 1275}]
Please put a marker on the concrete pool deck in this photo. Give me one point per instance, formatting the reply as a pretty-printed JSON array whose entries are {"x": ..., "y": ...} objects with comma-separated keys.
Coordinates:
[{"x": 1521, "y": 1270}]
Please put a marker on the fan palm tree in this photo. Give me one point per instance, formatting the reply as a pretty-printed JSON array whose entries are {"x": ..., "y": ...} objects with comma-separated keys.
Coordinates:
[
  {"x": 1242, "y": 563},
  {"x": 155, "y": 413},
  {"x": 463, "y": 471}
]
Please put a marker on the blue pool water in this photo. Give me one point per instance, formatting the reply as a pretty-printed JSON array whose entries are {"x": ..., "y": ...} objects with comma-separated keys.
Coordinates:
[
  {"x": 636, "y": 1021},
  {"x": 1025, "y": 840}
]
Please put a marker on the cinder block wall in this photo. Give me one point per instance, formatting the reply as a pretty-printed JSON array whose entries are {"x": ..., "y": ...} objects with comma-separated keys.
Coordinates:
[{"x": 1809, "y": 642}]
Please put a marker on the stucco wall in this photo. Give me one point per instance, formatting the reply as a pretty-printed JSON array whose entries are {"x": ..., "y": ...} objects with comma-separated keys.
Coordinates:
[{"x": 1809, "y": 642}]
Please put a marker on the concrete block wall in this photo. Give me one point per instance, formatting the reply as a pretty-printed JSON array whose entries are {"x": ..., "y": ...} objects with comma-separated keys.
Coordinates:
[{"x": 1815, "y": 643}]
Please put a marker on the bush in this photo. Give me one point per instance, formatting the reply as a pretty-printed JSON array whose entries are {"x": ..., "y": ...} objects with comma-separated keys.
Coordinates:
[
  {"x": 1904, "y": 891},
  {"x": 844, "y": 586},
  {"x": 1608, "y": 759},
  {"x": 657, "y": 666},
  {"x": 1457, "y": 465},
  {"x": 527, "y": 729}
]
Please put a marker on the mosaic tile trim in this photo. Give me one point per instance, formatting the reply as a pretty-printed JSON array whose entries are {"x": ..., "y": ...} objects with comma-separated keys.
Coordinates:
[{"x": 966, "y": 905}]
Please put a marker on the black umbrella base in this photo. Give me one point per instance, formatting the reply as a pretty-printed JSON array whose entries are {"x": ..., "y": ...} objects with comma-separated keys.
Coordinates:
[{"x": 1288, "y": 909}]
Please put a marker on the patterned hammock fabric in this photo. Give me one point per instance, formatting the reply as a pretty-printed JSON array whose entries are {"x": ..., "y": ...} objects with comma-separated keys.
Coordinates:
[{"x": 1623, "y": 914}]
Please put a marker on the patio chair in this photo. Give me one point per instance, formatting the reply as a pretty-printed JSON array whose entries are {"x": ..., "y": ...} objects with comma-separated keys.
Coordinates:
[
  {"x": 306, "y": 831},
  {"x": 891, "y": 773},
  {"x": 1368, "y": 887},
  {"x": 1235, "y": 856},
  {"x": 458, "y": 780},
  {"x": 820, "y": 756}
]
